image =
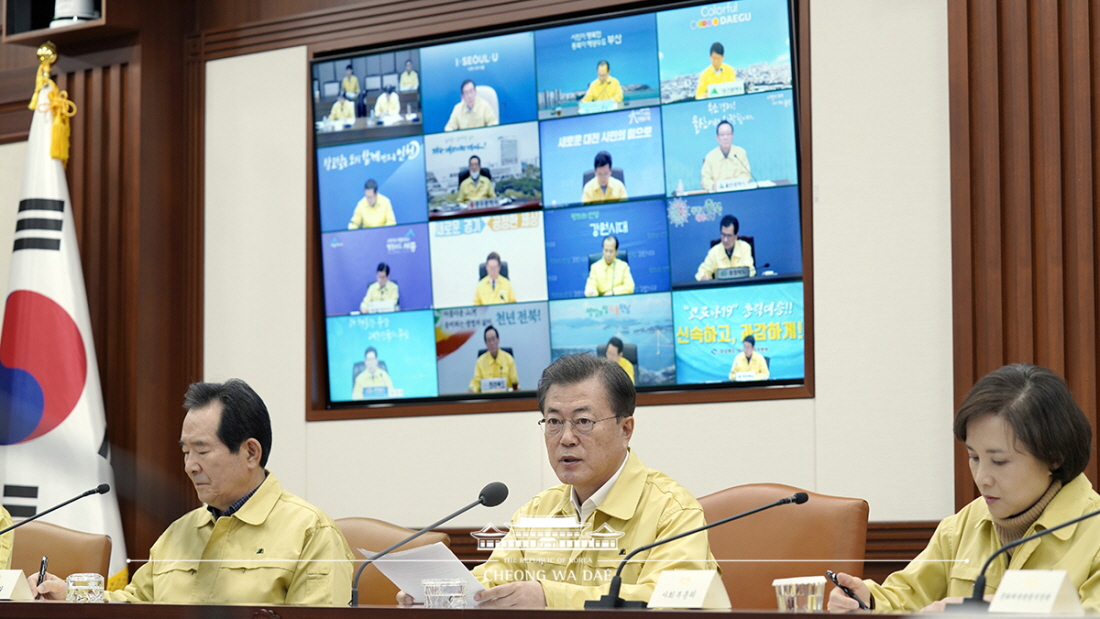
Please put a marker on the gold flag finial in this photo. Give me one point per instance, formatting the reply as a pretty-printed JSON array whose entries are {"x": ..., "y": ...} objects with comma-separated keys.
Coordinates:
[
  {"x": 58, "y": 102},
  {"x": 47, "y": 53}
]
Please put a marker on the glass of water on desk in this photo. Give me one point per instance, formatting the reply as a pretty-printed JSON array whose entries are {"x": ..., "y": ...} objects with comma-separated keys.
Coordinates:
[{"x": 84, "y": 588}]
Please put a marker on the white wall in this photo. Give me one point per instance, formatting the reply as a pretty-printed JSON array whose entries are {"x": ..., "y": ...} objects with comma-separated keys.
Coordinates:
[
  {"x": 12, "y": 159},
  {"x": 879, "y": 426}
]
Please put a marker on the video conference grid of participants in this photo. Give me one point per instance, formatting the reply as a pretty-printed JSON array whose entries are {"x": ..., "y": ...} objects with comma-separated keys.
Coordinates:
[{"x": 626, "y": 187}]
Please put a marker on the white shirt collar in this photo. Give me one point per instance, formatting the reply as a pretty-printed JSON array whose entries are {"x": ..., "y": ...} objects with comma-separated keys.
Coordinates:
[{"x": 584, "y": 511}]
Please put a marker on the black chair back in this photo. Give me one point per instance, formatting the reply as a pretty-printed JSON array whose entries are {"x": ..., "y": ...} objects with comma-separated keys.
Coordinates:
[
  {"x": 482, "y": 273},
  {"x": 621, "y": 255},
  {"x": 591, "y": 174},
  {"x": 630, "y": 351},
  {"x": 464, "y": 174}
]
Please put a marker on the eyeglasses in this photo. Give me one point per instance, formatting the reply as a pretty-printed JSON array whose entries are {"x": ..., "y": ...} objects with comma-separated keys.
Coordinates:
[{"x": 553, "y": 426}]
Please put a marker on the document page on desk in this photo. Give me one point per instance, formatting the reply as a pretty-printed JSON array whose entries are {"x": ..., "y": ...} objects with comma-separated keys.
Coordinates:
[{"x": 408, "y": 568}]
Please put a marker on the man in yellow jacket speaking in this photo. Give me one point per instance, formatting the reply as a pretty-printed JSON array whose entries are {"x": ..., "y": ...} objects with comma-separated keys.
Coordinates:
[{"x": 608, "y": 503}]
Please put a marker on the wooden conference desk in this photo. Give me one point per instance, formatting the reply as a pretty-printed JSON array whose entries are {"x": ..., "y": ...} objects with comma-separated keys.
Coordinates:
[{"x": 61, "y": 610}]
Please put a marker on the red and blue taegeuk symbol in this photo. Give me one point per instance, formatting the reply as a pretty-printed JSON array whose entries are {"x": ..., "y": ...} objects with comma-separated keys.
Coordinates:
[{"x": 43, "y": 367}]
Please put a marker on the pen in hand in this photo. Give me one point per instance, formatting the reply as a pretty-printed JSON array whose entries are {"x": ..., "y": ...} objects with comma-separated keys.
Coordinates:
[
  {"x": 41, "y": 576},
  {"x": 848, "y": 592}
]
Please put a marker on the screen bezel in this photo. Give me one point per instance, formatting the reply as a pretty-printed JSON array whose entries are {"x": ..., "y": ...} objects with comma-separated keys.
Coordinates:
[{"x": 322, "y": 408}]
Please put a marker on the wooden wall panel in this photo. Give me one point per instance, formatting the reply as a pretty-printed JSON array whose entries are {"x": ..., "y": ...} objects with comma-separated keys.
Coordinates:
[
  {"x": 125, "y": 177},
  {"x": 1025, "y": 235}
]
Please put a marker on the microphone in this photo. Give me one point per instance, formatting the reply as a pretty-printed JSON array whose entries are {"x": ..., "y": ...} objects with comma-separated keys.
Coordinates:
[
  {"x": 100, "y": 489},
  {"x": 978, "y": 596},
  {"x": 612, "y": 599},
  {"x": 752, "y": 179},
  {"x": 491, "y": 495}
]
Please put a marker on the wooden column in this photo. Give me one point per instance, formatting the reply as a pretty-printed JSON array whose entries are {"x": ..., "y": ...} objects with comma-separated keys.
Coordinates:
[{"x": 1023, "y": 78}]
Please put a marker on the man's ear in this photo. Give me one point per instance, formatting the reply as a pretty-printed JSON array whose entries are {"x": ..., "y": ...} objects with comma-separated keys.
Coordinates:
[
  {"x": 628, "y": 428},
  {"x": 253, "y": 451}
]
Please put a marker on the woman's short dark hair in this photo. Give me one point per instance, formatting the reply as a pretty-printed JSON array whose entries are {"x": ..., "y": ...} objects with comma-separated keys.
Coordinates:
[
  {"x": 1038, "y": 406},
  {"x": 573, "y": 369},
  {"x": 244, "y": 414}
]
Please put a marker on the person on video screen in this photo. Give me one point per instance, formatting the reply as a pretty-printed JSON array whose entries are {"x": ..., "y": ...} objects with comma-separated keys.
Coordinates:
[
  {"x": 494, "y": 363},
  {"x": 350, "y": 84},
  {"x": 373, "y": 210},
  {"x": 475, "y": 186},
  {"x": 748, "y": 360},
  {"x": 615, "y": 353},
  {"x": 730, "y": 252},
  {"x": 603, "y": 187},
  {"x": 409, "y": 80},
  {"x": 604, "y": 87},
  {"x": 371, "y": 376},
  {"x": 727, "y": 161},
  {"x": 382, "y": 293},
  {"x": 494, "y": 288},
  {"x": 609, "y": 275},
  {"x": 717, "y": 73},
  {"x": 472, "y": 111},
  {"x": 387, "y": 103},
  {"x": 342, "y": 109}
]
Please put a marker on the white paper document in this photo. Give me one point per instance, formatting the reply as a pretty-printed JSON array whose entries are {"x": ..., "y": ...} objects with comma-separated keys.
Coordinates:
[{"x": 408, "y": 568}]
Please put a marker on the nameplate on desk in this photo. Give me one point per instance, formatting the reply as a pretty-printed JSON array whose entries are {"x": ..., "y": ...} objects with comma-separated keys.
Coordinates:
[
  {"x": 732, "y": 273},
  {"x": 375, "y": 392},
  {"x": 701, "y": 589},
  {"x": 726, "y": 89},
  {"x": 1046, "y": 592},
  {"x": 734, "y": 184},
  {"x": 743, "y": 376},
  {"x": 379, "y": 307},
  {"x": 489, "y": 385},
  {"x": 591, "y": 107},
  {"x": 13, "y": 585}
]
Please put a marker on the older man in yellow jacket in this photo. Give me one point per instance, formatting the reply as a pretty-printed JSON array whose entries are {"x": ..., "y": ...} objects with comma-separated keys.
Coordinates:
[
  {"x": 253, "y": 542},
  {"x": 609, "y": 276}
]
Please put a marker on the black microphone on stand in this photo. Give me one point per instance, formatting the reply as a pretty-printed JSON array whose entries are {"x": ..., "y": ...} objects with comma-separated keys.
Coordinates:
[
  {"x": 491, "y": 496},
  {"x": 752, "y": 179},
  {"x": 100, "y": 489},
  {"x": 612, "y": 599},
  {"x": 977, "y": 598}
]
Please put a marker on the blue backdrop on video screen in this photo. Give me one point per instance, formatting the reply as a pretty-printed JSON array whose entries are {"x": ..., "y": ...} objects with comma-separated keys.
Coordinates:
[
  {"x": 404, "y": 341},
  {"x": 572, "y": 234},
  {"x": 769, "y": 216},
  {"x": 398, "y": 167},
  {"x": 567, "y": 56},
  {"x": 763, "y": 125},
  {"x": 755, "y": 35},
  {"x": 351, "y": 261},
  {"x": 569, "y": 147},
  {"x": 711, "y": 324},
  {"x": 580, "y": 326},
  {"x": 505, "y": 63}
]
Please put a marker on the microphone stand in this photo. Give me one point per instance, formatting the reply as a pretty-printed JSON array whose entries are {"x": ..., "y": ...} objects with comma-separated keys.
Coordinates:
[
  {"x": 976, "y": 601},
  {"x": 100, "y": 489},
  {"x": 355, "y": 581},
  {"x": 612, "y": 599}
]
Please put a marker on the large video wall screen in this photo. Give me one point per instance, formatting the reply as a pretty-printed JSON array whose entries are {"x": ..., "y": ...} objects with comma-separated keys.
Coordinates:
[{"x": 625, "y": 187}]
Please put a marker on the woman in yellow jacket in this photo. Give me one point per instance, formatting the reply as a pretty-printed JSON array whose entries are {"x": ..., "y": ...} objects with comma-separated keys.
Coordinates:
[{"x": 1028, "y": 443}]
